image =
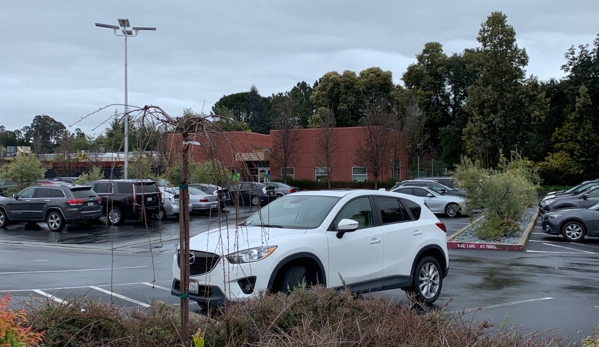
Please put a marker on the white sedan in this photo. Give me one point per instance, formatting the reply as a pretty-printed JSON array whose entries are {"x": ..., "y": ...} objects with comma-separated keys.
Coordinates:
[{"x": 450, "y": 205}]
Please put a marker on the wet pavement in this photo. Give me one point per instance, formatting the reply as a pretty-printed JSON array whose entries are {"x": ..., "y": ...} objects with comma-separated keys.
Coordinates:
[{"x": 551, "y": 287}]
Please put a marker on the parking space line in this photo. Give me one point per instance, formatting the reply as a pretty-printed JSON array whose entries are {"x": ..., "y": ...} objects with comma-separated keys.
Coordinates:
[
  {"x": 572, "y": 249},
  {"x": 72, "y": 270},
  {"x": 76, "y": 287},
  {"x": 50, "y": 296},
  {"x": 551, "y": 252},
  {"x": 482, "y": 307},
  {"x": 120, "y": 296},
  {"x": 156, "y": 286}
]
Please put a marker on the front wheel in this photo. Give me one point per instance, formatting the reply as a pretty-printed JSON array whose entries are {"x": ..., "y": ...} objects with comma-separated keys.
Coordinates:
[
  {"x": 427, "y": 281},
  {"x": 452, "y": 209},
  {"x": 574, "y": 231},
  {"x": 255, "y": 200},
  {"x": 55, "y": 221},
  {"x": 115, "y": 216},
  {"x": 3, "y": 219},
  {"x": 294, "y": 278}
]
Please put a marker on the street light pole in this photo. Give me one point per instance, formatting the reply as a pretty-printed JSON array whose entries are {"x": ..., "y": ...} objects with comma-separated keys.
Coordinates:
[{"x": 127, "y": 31}]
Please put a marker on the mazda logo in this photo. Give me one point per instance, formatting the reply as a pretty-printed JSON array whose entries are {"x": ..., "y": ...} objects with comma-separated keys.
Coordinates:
[{"x": 192, "y": 258}]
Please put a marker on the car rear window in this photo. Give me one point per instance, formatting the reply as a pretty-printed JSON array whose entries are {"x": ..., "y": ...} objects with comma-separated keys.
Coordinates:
[
  {"x": 413, "y": 207},
  {"x": 145, "y": 188},
  {"x": 84, "y": 192}
]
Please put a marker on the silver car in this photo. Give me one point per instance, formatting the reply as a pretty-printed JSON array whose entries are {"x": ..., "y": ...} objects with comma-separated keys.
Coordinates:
[
  {"x": 201, "y": 201},
  {"x": 170, "y": 201},
  {"x": 450, "y": 205}
]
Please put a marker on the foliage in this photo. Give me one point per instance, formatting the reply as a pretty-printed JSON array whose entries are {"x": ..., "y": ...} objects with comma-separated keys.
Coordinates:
[
  {"x": 25, "y": 169},
  {"x": 591, "y": 341},
  {"x": 94, "y": 174},
  {"x": 560, "y": 168},
  {"x": 504, "y": 194},
  {"x": 212, "y": 171},
  {"x": 14, "y": 327},
  {"x": 248, "y": 107},
  {"x": 494, "y": 228},
  {"x": 145, "y": 166}
]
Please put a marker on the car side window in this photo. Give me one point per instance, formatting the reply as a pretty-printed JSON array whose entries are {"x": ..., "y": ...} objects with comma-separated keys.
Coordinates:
[
  {"x": 102, "y": 188},
  {"x": 57, "y": 193},
  {"x": 391, "y": 210},
  {"x": 413, "y": 207},
  {"x": 44, "y": 193},
  {"x": 359, "y": 210},
  {"x": 125, "y": 188},
  {"x": 405, "y": 191},
  {"x": 420, "y": 192},
  {"x": 594, "y": 193},
  {"x": 27, "y": 193}
]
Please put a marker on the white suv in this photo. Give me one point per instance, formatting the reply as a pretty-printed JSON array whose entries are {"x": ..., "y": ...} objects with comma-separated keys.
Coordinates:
[{"x": 365, "y": 240}]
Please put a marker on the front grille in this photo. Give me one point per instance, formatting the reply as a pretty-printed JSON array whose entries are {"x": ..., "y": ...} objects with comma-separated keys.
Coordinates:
[{"x": 203, "y": 262}]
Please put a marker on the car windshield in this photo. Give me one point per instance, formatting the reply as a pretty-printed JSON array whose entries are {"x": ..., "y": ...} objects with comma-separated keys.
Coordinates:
[
  {"x": 583, "y": 188},
  {"x": 294, "y": 212},
  {"x": 195, "y": 191},
  {"x": 594, "y": 207}
]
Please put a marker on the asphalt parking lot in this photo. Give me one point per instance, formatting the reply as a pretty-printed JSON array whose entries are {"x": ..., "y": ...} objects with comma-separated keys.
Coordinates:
[{"x": 551, "y": 287}]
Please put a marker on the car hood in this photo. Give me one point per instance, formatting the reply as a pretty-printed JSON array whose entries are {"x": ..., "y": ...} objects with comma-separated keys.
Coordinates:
[{"x": 226, "y": 240}]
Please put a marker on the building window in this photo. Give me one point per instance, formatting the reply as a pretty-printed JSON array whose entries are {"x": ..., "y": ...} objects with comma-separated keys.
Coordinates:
[
  {"x": 290, "y": 171},
  {"x": 322, "y": 174},
  {"x": 359, "y": 174}
]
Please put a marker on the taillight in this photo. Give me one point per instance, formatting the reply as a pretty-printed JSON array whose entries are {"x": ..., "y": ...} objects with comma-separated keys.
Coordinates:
[
  {"x": 291, "y": 190},
  {"x": 441, "y": 226},
  {"x": 204, "y": 200},
  {"x": 75, "y": 202},
  {"x": 99, "y": 200}
]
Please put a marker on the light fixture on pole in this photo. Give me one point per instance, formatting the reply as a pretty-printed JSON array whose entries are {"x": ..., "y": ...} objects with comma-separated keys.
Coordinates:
[{"x": 124, "y": 29}]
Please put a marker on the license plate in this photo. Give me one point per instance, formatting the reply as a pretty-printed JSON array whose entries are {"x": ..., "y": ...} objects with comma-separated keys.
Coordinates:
[
  {"x": 150, "y": 199},
  {"x": 193, "y": 287},
  {"x": 90, "y": 204},
  {"x": 271, "y": 193},
  {"x": 214, "y": 204}
]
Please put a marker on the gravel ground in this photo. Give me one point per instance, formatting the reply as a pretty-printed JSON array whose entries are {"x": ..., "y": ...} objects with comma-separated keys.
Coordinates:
[{"x": 468, "y": 235}]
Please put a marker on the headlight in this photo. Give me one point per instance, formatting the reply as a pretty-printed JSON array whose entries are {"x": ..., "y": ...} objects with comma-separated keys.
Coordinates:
[
  {"x": 547, "y": 202},
  {"x": 250, "y": 255},
  {"x": 552, "y": 216},
  {"x": 264, "y": 190}
]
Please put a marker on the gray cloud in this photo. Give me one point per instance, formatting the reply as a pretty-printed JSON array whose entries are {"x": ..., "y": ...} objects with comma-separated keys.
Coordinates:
[{"x": 56, "y": 62}]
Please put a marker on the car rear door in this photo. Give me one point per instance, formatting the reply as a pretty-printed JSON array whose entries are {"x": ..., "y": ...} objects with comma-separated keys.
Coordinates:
[{"x": 39, "y": 203}]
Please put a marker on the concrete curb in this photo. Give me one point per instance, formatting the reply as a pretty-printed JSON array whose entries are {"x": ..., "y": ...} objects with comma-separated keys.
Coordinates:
[{"x": 520, "y": 246}]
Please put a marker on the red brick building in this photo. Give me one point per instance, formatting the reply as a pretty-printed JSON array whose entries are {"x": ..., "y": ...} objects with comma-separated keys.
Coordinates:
[{"x": 238, "y": 150}]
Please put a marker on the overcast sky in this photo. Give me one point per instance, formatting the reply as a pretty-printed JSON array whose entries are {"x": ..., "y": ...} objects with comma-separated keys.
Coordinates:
[{"x": 55, "y": 61}]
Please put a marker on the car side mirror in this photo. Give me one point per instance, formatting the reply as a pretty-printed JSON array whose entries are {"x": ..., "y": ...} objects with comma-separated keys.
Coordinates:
[
  {"x": 346, "y": 225},
  {"x": 429, "y": 195},
  {"x": 15, "y": 196},
  {"x": 443, "y": 191},
  {"x": 585, "y": 196}
]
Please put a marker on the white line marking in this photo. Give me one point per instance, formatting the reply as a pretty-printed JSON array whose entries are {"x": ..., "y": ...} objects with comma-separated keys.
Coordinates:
[
  {"x": 120, "y": 296},
  {"x": 469, "y": 310},
  {"x": 40, "y": 260},
  {"x": 573, "y": 249},
  {"x": 50, "y": 296},
  {"x": 73, "y": 270},
  {"x": 156, "y": 286},
  {"x": 551, "y": 252},
  {"x": 77, "y": 287}
]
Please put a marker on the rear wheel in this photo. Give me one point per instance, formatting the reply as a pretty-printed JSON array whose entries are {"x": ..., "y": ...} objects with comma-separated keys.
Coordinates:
[
  {"x": 427, "y": 281},
  {"x": 574, "y": 231},
  {"x": 452, "y": 209},
  {"x": 3, "y": 219},
  {"x": 115, "y": 216},
  {"x": 160, "y": 214},
  {"x": 55, "y": 221},
  {"x": 255, "y": 200}
]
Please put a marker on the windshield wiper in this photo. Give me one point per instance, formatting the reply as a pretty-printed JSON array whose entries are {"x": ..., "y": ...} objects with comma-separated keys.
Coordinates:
[{"x": 271, "y": 226}]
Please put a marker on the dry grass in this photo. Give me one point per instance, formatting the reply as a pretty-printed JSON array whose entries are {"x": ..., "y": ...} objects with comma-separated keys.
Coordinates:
[{"x": 313, "y": 317}]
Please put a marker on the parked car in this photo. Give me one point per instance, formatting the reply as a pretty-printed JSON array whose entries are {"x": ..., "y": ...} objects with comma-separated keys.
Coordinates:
[
  {"x": 450, "y": 205},
  {"x": 559, "y": 202},
  {"x": 573, "y": 224},
  {"x": 445, "y": 180},
  {"x": 254, "y": 193},
  {"x": 362, "y": 240},
  {"x": 202, "y": 202},
  {"x": 432, "y": 185},
  {"x": 57, "y": 205},
  {"x": 282, "y": 188},
  {"x": 220, "y": 192},
  {"x": 125, "y": 199},
  {"x": 577, "y": 189},
  {"x": 170, "y": 202}
]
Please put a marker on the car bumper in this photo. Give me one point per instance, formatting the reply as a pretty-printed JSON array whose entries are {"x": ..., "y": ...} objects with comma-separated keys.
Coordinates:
[
  {"x": 550, "y": 228},
  {"x": 74, "y": 216},
  {"x": 204, "y": 206}
]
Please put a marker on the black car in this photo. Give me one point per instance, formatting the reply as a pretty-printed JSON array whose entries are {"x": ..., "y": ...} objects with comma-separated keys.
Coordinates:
[
  {"x": 432, "y": 185},
  {"x": 222, "y": 193},
  {"x": 126, "y": 199},
  {"x": 254, "y": 193},
  {"x": 573, "y": 224},
  {"x": 56, "y": 205},
  {"x": 559, "y": 202}
]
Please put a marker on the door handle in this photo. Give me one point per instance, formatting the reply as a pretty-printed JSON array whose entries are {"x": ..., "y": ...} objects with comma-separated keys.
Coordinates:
[
  {"x": 46, "y": 200},
  {"x": 417, "y": 232},
  {"x": 375, "y": 241},
  {"x": 27, "y": 200}
]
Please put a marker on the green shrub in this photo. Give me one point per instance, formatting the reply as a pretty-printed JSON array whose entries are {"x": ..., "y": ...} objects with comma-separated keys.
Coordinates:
[
  {"x": 494, "y": 228},
  {"x": 96, "y": 173},
  {"x": 591, "y": 341}
]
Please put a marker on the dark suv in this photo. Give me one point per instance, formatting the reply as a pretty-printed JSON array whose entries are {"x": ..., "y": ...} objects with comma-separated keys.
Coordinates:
[
  {"x": 56, "y": 205},
  {"x": 246, "y": 193},
  {"x": 122, "y": 199}
]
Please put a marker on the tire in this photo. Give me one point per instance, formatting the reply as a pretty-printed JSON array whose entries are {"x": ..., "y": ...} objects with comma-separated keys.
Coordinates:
[
  {"x": 279, "y": 195},
  {"x": 55, "y": 221},
  {"x": 3, "y": 219},
  {"x": 427, "y": 281},
  {"x": 574, "y": 231},
  {"x": 294, "y": 278},
  {"x": 160, "y": 215},
  {"x": 452, "y": 210},
  {"x": 115, "y": 216},
  {"x": 255, "y": 200}
]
